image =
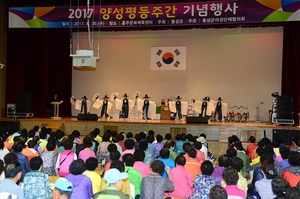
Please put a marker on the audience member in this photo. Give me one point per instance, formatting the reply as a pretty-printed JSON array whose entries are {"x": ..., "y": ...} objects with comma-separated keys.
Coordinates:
[
  {"x": 113, "y": 155},
  {"x": 129, "y": 145},
  {"x": 137, "y": 138},
  {"x": 114, "y": 178},
  {"x": 204, "y": 182},
  {"x": 139, "y": 164},
  {"x": 237, "y": 164},
  {"x": 151, "y": 148},
  {"x": 204, "y": 149},
  {"x": 102, "y": 151},
  {"x": 3, "y": 150},
  {"x": 183, "y": 185},
  {"x": 8, "y": 186},
  {"x": 36, "y": 183},
  {"x": 18, "y": 147},
  {"x": 251, "y": 147},
  {"x": 65, "y": 159},
  {"x": 91, "y": 165},
  {"x": 241, "y": 153},
  {"x": 231, "y": 178},
  {"x": 2, "y": 175},
  {"x": 154, "y": 185},
  {"x": 223, "y": 162},
  {"x": 279, "y": 187},
  {"x": 43, "y": 139},
  {"x": 127, "y": 188},
  {"x": 292, "y": 193},
  {"x": 284, "y": 157},
  {"x": 218, "y": 192},
  {"x": 121, "y": 141},
  {"x": 96, "y": 133},
  {"x": 179, "y": 141},
  {"x": 82, "y": 185},
  {"x": 49, "y": 158},
  {"x": 231, "y": 152},
  {"x": 62, "y": 189},
  {"x": 87, "y": 153},
  {"x": 200, "y": 156},
  {"x": 115, "y": 140},
  {"x": 77, "y": 139},
  {"x": 148, "y": 156},
  {"x": 164, "y": 157},
  {"x": 134, "y": 176},
  {"x": 110, "y": 148},
  {"x": 168, "y": 137},
  {"x": 159, "y": 144},
  {"x": 171, "y": 146},
  {"x": 292, "y": 173},
  {"x": 192, "y": 165}
]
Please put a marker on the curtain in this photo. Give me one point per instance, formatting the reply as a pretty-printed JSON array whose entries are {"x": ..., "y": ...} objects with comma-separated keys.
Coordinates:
[
  {"x": 291, "y": 64},
  {"x": 38, "y": 63}
]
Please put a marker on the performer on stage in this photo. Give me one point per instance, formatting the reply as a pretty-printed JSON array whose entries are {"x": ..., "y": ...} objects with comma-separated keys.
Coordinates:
[
  {"x": 84, "y": 105},
  {"x": 55, "y": 99},
  {"x": 204, "y": 107},
  {"x": 146, "y": 107},
  {"x": 125, "y": 107},
  {"x": 178, "y": 107},
  {"x": 218, "y": 110},
  {"x": 104, "y": 107}
]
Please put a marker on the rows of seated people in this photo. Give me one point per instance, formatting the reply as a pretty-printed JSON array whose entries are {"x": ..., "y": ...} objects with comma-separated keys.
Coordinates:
[{"x": 144, "y": 165}]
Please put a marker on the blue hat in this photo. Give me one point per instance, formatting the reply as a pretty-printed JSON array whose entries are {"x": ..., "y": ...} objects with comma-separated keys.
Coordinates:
[
  {"x": 63, "y": 184},
  {"x": 114, "y": 175}
]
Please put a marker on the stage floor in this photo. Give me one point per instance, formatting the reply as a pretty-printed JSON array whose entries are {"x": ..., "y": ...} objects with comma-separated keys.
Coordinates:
[
  {"x": 155, "y": 122},
  {"x": 215, "y": 131}
]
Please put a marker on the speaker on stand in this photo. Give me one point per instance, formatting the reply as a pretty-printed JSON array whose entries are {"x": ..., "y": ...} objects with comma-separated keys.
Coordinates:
[{"x": 283, "y": 110}]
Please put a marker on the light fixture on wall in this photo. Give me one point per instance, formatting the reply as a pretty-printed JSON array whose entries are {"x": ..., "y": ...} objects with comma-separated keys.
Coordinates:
[
  {"x": 84, "y": 59},
  {"x": 2, "y": 66}
]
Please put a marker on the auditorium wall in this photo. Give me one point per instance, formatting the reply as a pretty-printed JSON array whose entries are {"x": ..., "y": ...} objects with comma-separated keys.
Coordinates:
[{"x": 241, "y": 65}]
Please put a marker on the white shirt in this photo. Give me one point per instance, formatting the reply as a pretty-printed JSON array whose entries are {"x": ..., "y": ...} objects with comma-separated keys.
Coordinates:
[{"x": 204, "y": 150}]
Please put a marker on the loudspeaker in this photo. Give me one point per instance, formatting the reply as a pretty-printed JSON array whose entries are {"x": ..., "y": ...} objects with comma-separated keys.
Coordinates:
[
  {"x": 24, "y": 102},
  {"x": 285, "y": 135},
  {"x": 197, "y": 120},
  {"x": 93, "y": 117},
  {"x": 284, "y": 107}
]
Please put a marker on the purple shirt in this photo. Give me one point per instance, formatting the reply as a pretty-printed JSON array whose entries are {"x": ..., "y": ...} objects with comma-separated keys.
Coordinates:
[
  {"x": 218, "y": 172},
  {"x": 142, "y": 167},
  {"x": 82, "y": 186},
  {"x": 183, "y": 186}
]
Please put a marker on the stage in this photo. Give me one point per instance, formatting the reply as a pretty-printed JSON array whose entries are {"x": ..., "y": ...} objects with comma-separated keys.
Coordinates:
[{"x": 215, "y": 131}]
